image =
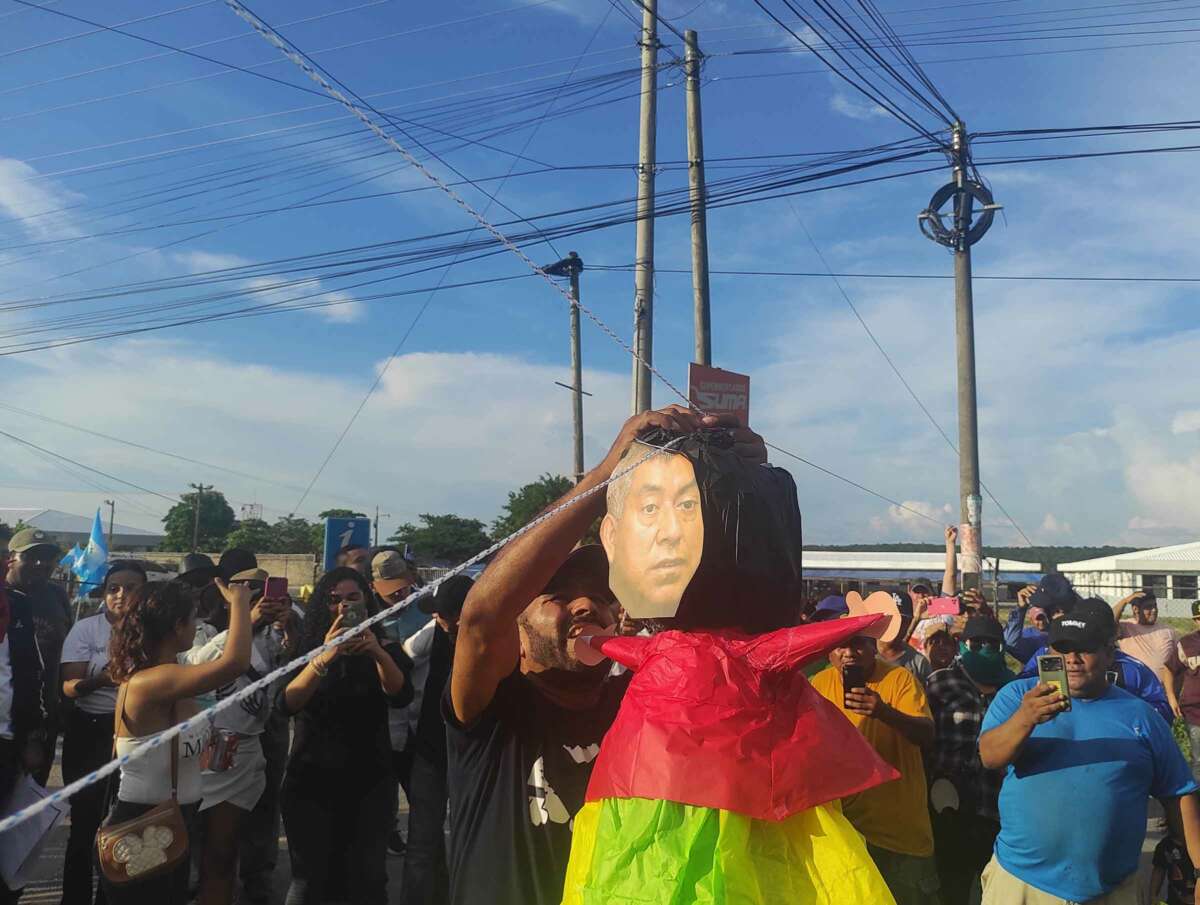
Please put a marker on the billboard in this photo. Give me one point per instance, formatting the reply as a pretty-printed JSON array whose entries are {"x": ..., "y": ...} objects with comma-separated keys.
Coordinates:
[
  {"x": 341, "y": 533},
  {"x": 718, "y": 392}
]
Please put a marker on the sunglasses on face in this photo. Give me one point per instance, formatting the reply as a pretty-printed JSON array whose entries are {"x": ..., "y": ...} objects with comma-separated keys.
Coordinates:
[
  {"x": 398, "y": 594},
  {"x": 1067, "y": 647},
  {"x": 978, "y": 644},
  {"x": 352, "y": 597}
]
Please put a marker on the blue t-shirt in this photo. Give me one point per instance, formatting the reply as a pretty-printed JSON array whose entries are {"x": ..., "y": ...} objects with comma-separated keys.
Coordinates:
[
  {"x": 1135, "y": 677},
  {"x": 1073, "y": 803}
]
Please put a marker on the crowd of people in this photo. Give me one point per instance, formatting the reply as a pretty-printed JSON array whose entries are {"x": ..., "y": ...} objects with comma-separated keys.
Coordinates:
[{"x": 475, "y": 702}]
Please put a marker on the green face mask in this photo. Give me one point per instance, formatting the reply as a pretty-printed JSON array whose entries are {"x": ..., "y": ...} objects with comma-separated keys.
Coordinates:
[{"x": 985, "y": 666}]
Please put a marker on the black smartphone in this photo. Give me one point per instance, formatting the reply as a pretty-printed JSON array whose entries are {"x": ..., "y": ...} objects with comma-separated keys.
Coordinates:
[{"x": 853, "y": 676}]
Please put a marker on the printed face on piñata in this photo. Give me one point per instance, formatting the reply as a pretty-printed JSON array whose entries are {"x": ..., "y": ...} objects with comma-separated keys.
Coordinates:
[{"x": 653, "y": 533}]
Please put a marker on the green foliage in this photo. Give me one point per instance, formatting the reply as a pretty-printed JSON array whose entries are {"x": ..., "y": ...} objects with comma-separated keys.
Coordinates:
[
  {"x": 442, "y": 538},
  {"x": 216, "y": 521},
  {"x": 524, "y": 505},
  {"x": 253, "y": 534},
  {"x": 295, "y": 535},
  {"x": 340, "y": 513}
]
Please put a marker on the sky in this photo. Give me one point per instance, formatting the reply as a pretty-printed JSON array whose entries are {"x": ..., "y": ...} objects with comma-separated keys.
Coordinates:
[{"x": 130, "y": 172}]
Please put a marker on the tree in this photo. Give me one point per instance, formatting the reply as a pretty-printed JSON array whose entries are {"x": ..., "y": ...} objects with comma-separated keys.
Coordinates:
[
  {"x": 443, "y": 537},
  {"x": 340, "y": 513},
  {"x": 524, "y": 505},
  {"x": 252, "y": 534},
  {"x": 293, "y": 535},
  {"x": 216, "y": 521}
]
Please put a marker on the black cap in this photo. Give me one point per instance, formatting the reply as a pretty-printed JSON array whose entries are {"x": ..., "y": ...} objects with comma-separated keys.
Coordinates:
[
  {"x": 1054, "y": 594},
  {"x": 1148, "y": 600},
  {"x": 986, "y": 627},
  {"x": 1088, "y": 626},
  {"x": 197, "y": 569},
  {"x": 235, "y": 560},
  {"x": 447, "y": 600}
]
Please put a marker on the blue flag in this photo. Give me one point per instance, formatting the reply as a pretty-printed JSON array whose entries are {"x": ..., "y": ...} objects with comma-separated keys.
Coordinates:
[{"x": 92, "y": 562}]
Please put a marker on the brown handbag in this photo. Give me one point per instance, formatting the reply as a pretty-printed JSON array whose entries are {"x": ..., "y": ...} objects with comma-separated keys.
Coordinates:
[{"x": 151, "y": 844}]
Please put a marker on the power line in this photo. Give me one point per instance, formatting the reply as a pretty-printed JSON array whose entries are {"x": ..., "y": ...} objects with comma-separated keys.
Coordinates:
[{"x": 909, "y": 276}]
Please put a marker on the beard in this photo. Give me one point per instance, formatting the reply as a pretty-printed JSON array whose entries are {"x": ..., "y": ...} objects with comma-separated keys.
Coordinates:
[{"x": 549, "y": 649}]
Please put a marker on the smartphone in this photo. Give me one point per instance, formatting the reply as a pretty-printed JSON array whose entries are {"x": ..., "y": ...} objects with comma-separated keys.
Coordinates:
[
  {"x": 943, "y": 606},
  {"x": 1053, "y": 671},
  {"x": 276, "y": 589},
  {"x": 852, "y": 677},
  {"x": 353, "y": 614}
]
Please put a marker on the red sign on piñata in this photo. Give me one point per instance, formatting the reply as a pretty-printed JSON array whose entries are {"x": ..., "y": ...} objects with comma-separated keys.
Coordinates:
[{"x": 718, "y": 392}]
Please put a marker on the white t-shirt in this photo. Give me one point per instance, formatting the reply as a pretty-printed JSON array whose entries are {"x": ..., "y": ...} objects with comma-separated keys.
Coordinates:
[
  {"x": 87, "y": 642},
  {"x": 249, "y": 715},
  {"x": 6, "y": 691},
  {"x": 1154, "y": 644}
]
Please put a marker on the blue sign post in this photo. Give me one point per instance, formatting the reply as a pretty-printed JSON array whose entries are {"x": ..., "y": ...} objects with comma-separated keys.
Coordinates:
[{"x": 341, "y": 533}]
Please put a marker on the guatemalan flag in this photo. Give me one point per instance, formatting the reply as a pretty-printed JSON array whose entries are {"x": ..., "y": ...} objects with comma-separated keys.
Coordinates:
[{"x": 91, "y": 562}]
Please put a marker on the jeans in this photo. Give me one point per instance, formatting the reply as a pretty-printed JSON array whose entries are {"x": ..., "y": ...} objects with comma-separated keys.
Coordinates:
[
  {"x": 426, "y": 878},
  {"x": 260, "y": 830},
  {"x": 87, "y": 744},
  {"x": 912, "y": 879},
  {"x": 1194, "y": 738},
  {"x": 9, "y": 773},
  {"x": 320, "y": 807}
]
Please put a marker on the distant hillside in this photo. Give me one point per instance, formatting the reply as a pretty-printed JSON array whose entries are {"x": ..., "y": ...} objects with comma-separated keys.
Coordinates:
[{"x": 1054, "y": 555}]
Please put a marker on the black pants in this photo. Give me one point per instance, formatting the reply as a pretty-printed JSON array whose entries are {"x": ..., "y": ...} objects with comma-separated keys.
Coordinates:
[
  {"x": 9, "y": 773},
  {"x": 87, "y": 744},
  {"x": 166, "y": 889},
  {"x": 320, "y": 807},
  {"x": 259, "y": 848},
  {"x": 962, "y": 844},
  {"x": 426, "y": 878}
]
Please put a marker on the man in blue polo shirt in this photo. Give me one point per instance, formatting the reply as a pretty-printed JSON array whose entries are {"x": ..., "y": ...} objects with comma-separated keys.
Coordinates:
[{"x": 1077, "y": 777}]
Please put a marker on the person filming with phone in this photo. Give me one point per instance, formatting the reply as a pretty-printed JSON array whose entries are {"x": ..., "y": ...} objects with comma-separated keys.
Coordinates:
[
  {"x": 338, "y": 794},
  {"x": 887, "y": 705},
  {"x": 1080, "y": 762}
]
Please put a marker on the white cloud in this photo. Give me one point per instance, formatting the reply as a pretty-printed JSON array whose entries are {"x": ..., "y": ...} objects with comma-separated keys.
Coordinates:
[
  {"x": 841, "y": 103},
  {"x": 1053, "y": 525},
  {"x": 23, "y": 194},
  {"x": 1186, "y": 422}
]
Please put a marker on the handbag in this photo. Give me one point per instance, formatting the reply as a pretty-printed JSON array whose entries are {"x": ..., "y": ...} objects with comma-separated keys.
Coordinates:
[{"x": 151, "y": 844}]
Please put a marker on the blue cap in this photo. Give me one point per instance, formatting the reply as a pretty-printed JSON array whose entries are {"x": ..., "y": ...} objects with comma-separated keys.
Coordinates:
[
  {"x": 834, "y": 603},
  {"x": 1054, "y": 594}
]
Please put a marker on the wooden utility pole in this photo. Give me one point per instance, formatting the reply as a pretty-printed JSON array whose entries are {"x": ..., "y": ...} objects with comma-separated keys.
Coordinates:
[
  {"x": 643, "y": 301},
  {"x": 112, "y": 517},
  {"x": 199, "y": 488},
  {"x": 376, "y": 523},
  {"x": 699, "y": 200},
  {"x": 571, "y": 266}
]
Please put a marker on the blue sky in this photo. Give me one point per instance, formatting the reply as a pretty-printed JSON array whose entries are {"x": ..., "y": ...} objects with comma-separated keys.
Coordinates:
[{"x": 1088, "y": 418}]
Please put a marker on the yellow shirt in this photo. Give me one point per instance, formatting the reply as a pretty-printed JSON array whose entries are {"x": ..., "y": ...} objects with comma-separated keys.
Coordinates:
[{"x": 895, "y": 815}]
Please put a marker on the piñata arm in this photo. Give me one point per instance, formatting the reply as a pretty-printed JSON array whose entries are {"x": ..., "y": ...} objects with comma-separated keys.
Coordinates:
[
  {"x": 628, "y": 651},
  {"x": 790, "y": 648}
]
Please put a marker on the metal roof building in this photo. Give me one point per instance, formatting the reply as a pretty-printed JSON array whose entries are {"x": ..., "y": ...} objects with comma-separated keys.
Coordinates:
[
  {"x": 868, "y": 571},
  {"x": 1171, "y": 571},
  {"x": 69, "y": 529}
]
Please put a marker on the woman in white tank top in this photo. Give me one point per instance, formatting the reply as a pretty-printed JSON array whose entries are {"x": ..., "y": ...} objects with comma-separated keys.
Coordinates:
[{"x": 156, "y": 692}]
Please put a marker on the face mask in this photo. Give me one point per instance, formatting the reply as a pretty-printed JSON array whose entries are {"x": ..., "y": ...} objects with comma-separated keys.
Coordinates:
[{"x": 984, "y": 666}]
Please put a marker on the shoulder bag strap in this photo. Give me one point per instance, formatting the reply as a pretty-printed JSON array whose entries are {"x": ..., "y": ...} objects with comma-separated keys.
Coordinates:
[
  {"x": 119, "y": 715},
  {"x": 174, "y": 755}
]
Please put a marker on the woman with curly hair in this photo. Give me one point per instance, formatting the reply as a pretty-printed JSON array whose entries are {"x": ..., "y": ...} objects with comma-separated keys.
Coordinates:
[
  {"x": 155, "y": 692},
  {"x": 338, "y": 794}
]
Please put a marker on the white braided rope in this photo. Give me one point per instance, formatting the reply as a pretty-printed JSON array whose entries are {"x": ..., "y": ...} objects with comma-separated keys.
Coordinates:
[
  {"x": 273, "y": 38},
  {"x": 208, "y": 715}
]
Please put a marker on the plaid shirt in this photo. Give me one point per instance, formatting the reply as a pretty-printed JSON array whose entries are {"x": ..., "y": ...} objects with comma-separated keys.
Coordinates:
[{"x": 958, "y": 707}]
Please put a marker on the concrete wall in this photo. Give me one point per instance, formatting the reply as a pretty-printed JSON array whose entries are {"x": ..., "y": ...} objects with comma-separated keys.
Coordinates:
[{"x": 299, "y": 568}]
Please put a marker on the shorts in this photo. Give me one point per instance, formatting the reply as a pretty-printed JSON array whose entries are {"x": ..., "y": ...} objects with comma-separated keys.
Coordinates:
[
  {"x": 1002, "y": 888},
  {"x": 243, "y": 783}
]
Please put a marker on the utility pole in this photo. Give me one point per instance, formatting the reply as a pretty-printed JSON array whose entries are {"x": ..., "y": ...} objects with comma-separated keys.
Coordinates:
[
  {"x": 643, "y": 300},
  {"x": 199, "y": 488},
  {"x": 964, "y": 191},
  {"x": 571, "y": 266},
  {"x": 112, "y": 517},
  {"x": 385, "y": 515},
  {"x": 698, "y": 194}
]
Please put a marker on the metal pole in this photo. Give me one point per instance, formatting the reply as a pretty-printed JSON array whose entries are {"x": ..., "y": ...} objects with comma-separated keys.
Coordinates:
[
  {"x": 698, "y": 194},
  {"x": 112, "y": 517},
  {"x": 964, "y": 319},
  {"x": 376, "y": 541},
  {"x": 199, "y": 488},
  {"x": 576, "y": 366},
  {"x": 643, "y": 302}
]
